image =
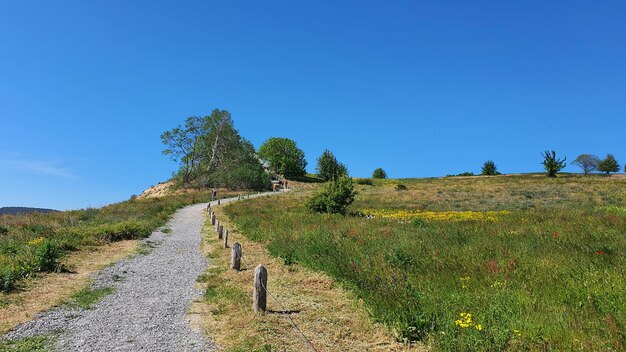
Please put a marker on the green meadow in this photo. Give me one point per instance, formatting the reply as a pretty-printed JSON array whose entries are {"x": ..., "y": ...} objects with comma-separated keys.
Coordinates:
[
  {"x": 543, "y": 271},
  {"x": 35, "y": 243}
]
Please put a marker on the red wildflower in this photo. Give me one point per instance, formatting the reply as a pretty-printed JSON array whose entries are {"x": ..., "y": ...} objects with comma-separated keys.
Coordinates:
[
  {"x": 600, "y": 252},
  {"x": 555, "y": 235}
]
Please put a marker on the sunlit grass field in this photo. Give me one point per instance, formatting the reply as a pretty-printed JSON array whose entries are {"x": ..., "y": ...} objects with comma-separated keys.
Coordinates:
[
  {"x": 464, "y": 264},
  {"x": 35, "y": 243}
]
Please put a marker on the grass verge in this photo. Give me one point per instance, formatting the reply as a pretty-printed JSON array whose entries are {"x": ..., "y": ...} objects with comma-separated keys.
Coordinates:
[{"x": 331, "y": 318}]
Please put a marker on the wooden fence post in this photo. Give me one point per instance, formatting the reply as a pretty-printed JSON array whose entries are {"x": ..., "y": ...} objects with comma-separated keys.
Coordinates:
[
  {"x": 226, "y": 239},
  {"x": 218, "y": 202},
  {"x": 212, "y": 218},
  {"x": 259, "y": 295},
  {"x": 208, "y": 207},
  {"x": 235, "y": 257},
  {"x": 217, "y": 226},
  {"x": 220, "y": 232}
]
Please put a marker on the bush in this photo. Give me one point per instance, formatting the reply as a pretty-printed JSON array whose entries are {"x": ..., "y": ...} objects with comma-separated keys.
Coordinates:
[
  {"x": 401, "y": 187},
  {"x": 46, "y": 257},
  {"x": 3, "y": 230},
  {"x": 379, "y": 173},
  {"x": 364, "y": 181},
  {"x": 127, "y": 230},
  {"x": 335, "y": 198}
]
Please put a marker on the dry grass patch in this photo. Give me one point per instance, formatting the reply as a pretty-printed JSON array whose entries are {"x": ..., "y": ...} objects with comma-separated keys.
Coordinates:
[
  {"x": 330, "y": 317},
  {"x": 48, "y": 290}
]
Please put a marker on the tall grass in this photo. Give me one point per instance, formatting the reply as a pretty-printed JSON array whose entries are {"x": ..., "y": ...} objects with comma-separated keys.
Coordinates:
[
  {"x": 34, "y": 243},
  {"x": 543, "y": 277}
]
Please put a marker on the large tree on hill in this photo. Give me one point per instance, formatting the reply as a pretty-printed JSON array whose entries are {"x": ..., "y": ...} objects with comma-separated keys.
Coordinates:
[
  {"x": 587, "y": 162},
  {"x": 329, "y": 168},
  {"x": 284, "y": 157},
  {"x": 552, "y": 164},
  {"x": 213, "y": 154},
  {"x": 608, "y": 164}
]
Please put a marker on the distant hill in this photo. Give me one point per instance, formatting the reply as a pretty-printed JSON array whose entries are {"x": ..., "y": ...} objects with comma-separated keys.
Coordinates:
[{"x": 24, "y": 210}]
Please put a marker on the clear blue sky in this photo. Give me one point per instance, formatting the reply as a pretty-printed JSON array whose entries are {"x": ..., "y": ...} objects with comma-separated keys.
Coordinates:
[{"x": 420, "y": 88}]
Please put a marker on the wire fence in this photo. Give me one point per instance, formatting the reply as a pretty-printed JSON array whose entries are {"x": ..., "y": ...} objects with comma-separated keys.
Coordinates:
[{"x": 283, "y": 311}]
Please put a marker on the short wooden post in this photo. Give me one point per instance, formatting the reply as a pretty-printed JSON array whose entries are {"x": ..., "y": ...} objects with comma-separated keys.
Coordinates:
[
  {"x": 226, "y": 239},
  {"x": 218, "y": 202},
  {"x": 259, "y": 294},
  {"x": 220, "y": 233},
  {"x": 212, "y": 218},
  {"x": 217, "y": 226},
  {"x": 235, "y": 257}
]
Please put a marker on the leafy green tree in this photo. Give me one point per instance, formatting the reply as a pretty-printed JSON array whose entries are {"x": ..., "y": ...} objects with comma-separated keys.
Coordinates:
[
  {"x": 552, "y": 164},
  {"x": 335, "y": 198},
  {"x": 213, "y": 154},
  {"x": 587, "y": 162},
  {"x": 328, "y": 167},
  {"x": 284, "y": 157},
  {"x": 379, "y": 173},
  {"x": 609, "y": 164},
  {"x": 489, "y": 169}
]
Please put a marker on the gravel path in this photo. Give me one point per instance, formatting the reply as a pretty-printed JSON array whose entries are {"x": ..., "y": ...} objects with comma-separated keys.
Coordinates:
[{"x": 152, "y": 293}]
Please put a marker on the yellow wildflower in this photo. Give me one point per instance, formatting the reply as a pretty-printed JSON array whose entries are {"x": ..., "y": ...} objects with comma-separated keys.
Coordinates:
[
  {"x": 412, "y": 214},
  {"x": 36, "y": 241}
]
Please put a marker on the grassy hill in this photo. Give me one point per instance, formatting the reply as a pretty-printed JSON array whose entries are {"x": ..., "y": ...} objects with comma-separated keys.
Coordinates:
[{"x": 480, "y": 263}]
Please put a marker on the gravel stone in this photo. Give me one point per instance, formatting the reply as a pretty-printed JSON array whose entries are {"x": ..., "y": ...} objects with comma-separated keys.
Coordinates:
[{"x": 147, "y": 310}]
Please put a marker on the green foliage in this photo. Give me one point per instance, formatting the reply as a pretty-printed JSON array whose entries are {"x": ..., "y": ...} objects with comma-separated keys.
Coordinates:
[
  {"x": 29, "y": 344},
  {"x": 587, "y": 162},
  {"x": 3, "y": 230},
  {"x": 37, "y": 242},
  {"x": 552, "y": 164},
  {"x": 489, "y": 169},
  {"x": 417, "y": 277},
  {"x": 335, "y": 198},
  {"x": 213, "y": 154},
  {"x": 608, "y": 164},
  {"x": 328, "y": 167},
  {"x": 284, "y": 157},
  {"x": 379, "y": 173},
  {"x": 364, "y": 181},
  {"x": 46, "y": 257},
  {"x": 466, "y": 173}
]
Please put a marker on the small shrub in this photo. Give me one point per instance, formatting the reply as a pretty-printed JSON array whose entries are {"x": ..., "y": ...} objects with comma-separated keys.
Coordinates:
[
  {"x": 364, "y": 181},
  {"x": 401, "y": 187},
  {"x": 127, "y": 230},
  {"x": 335, "y": 198},
  {"x": 3, "y": 230},
  {"x": 46, "y": 257}
]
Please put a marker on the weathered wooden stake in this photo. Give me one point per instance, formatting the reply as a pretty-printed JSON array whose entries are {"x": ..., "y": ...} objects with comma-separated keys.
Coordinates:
[
  {"x": 235, "y": 257},
  {"x": 212, "y": 218},
  {"x": 218, "y": 202},
  {"x": 259, "y": 294},
  {"x": 226, "y": 239},
  {"x": 208, "y": 207},
  {"x": 217, "y": 226},
  {"x": 220, "y": 232}
]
